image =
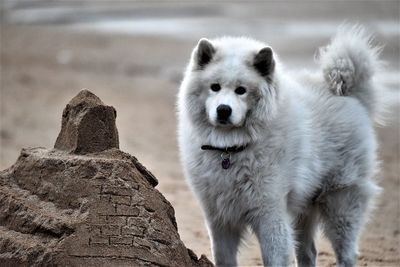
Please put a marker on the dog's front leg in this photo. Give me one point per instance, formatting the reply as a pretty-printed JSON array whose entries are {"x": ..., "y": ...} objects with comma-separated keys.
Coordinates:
[
  {"x": 274, "y": 234},
  {"x": 225, "y": 242}
]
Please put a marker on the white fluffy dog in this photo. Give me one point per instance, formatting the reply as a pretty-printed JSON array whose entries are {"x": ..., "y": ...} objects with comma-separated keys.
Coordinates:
[{"x": 277, "y": 153}]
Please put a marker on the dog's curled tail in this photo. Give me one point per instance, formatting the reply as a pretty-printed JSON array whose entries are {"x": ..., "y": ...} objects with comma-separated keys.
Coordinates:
[{"x": 350, "y": 64}]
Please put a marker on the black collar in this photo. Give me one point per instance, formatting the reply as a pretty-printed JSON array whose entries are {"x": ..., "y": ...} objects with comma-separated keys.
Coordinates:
[{"x": 229, "y": 149}]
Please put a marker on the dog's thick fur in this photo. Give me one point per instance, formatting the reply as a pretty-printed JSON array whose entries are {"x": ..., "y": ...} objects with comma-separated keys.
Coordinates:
[{"x": 310, "y": 154}]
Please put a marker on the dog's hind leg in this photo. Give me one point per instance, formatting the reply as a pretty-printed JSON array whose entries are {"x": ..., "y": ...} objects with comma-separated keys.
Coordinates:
[
  {"x": 305, "y": 229},
  {"x": 225, "y": 243},
  {"x": 343, "y": 214}
]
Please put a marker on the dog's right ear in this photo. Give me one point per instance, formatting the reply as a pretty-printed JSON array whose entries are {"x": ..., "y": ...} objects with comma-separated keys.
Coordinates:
[
  {"x": 204, "y": 52},
  {"x": 264, "y": 61}
]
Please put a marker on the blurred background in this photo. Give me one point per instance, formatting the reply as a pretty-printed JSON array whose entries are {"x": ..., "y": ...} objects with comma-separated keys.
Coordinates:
[{"x": 132, "y": 54}]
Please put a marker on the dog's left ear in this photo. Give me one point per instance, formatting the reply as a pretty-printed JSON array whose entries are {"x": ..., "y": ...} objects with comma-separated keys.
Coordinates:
[
  {"x": 205, "y": 52},
  {"x": 264, "y": 61}
]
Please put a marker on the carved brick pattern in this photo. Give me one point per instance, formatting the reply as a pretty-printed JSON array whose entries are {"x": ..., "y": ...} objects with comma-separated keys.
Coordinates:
[{"x": 117, "y": 222}]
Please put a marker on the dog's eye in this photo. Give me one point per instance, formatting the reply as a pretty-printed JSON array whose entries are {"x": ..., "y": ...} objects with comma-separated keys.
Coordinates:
[
  {"x": 215, "y": 87},
  {"x": 240, "y": 90}
]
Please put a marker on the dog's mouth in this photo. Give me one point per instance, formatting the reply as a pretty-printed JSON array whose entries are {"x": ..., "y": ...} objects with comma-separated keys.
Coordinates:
[
  {"x": 226, "y": 124},
  {"x": 221, "y": 124}
]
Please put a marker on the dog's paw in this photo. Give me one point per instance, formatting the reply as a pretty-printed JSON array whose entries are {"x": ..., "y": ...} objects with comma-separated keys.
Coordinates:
[{"x": 340, "y": 76}]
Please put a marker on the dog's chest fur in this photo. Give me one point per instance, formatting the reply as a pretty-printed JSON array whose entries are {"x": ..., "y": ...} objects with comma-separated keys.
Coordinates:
[{"x": 232, "y": 195}]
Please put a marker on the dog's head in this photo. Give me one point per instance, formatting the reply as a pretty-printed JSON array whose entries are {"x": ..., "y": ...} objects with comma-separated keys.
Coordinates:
[{"x": 230, "y": 82}]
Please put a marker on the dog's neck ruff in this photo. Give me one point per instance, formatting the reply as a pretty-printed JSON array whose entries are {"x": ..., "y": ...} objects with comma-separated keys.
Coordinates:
[{"x": 226, "y": 153}]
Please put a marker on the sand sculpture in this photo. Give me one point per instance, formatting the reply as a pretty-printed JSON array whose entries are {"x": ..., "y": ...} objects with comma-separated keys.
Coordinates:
[{"x": 85, "y": 202}]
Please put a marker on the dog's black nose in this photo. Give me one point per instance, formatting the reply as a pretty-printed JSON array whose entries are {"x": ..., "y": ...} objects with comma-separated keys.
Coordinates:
[{"x": 223, "y": 112}]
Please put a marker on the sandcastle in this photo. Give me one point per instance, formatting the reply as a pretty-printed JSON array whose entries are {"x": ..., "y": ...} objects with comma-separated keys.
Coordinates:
[{"x": 85, "y": 202}]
